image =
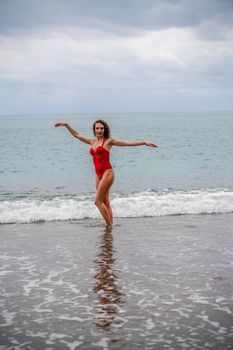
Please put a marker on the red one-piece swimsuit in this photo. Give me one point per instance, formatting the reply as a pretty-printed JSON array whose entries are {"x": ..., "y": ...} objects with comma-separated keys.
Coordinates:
[{"x": 100, "y": 160}]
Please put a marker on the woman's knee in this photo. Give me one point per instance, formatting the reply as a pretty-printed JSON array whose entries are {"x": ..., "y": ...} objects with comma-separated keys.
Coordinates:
[{"x": 98, "y": 202}]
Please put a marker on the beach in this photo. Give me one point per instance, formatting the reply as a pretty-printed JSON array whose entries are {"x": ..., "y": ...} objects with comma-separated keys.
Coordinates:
[
  {"x": 160, "y": 279},
  {"x": 149, "y": 283},
  {"x": 116, "y": 111}
]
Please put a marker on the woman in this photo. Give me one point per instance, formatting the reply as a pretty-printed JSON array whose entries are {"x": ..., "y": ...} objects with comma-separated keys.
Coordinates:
[{"x": 100, "y": 147}]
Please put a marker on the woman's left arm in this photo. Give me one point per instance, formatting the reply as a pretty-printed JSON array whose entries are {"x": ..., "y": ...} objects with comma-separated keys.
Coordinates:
[{"x": 116, "y": 142}]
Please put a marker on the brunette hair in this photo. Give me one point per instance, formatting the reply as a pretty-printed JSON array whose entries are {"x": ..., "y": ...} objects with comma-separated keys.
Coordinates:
[{"x": 106, "y": 128}]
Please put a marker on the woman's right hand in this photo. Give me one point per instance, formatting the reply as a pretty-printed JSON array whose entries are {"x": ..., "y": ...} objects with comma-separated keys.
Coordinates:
[
  {"x": 60, "y": 124},
  {"x": 149, "y": 144}
]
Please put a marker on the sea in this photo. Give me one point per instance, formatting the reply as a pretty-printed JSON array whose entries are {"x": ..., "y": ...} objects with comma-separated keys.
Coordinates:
[
  {"x": 48, "y": 175},
  {"x": 160, "y": 278}
]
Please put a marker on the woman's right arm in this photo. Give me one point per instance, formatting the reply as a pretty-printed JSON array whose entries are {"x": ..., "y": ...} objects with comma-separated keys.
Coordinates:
[{"x": 75, "y": 133}]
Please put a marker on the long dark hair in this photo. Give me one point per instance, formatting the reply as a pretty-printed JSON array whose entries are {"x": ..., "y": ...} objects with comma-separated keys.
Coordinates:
[{"x": 106, "y": 128}]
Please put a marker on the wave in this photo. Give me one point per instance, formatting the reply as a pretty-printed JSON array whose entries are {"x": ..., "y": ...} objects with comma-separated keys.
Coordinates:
[{"x": 141, "y": 204}]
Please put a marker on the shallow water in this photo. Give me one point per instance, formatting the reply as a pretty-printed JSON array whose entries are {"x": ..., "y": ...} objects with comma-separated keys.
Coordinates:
[{"x": 156, "y": 283}]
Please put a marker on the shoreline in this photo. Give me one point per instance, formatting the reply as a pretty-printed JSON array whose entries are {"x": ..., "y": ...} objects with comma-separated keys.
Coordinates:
[{"x": 161, "y": 282}]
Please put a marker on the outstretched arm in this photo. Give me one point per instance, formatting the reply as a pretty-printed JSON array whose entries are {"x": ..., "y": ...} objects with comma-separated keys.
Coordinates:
[
  {"x": 116, "y": 142},
  {"x": 75, "y": 133}
]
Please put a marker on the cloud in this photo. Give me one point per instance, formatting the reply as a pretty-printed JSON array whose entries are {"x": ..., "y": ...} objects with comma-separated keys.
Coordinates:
[
  {"x": 92, "y": 57},
  {"x": 82, "y": 52},
  {"x": 112, "y": 15}
]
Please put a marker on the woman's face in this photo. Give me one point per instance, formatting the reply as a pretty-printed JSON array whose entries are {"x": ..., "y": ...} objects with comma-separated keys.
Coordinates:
[{"x": 99, "y": 130}]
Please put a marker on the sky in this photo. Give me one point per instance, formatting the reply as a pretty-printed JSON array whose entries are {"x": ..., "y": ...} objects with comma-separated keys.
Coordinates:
[{"x": 113, "y": 56}]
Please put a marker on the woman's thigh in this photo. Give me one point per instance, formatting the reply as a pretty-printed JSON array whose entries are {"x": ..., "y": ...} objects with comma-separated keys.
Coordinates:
[{"x": 103, "y": 186}]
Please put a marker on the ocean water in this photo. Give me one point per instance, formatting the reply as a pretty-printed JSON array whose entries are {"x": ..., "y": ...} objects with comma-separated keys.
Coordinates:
[
  {"x": 46, "y": 174},
  {"x": 162, "y": 280}
]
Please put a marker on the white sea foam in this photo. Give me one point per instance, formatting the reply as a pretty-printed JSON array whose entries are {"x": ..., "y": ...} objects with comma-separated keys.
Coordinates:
[{"x": 142, "y": 204}]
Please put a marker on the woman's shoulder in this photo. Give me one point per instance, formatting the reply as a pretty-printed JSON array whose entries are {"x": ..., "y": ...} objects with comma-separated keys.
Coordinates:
[
  {"x": 108, "y": 141},
  {"x": 93, "y": 141}
]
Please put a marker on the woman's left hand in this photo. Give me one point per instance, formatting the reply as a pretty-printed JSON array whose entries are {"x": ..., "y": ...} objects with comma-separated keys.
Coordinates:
[
  {"x": 60, "y": 124},
  {"x": 149, "y": 144}
]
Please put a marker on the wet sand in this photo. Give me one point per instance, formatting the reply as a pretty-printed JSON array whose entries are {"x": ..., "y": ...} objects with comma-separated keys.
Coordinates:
[{"x": 151, "y": 283}]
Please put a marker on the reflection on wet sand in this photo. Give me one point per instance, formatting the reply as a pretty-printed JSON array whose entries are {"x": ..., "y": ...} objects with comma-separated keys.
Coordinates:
[{"x": 110, "y": 297}]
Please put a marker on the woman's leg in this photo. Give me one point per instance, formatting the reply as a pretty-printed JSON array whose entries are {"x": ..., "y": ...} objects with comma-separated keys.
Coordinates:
[
  {"x": 102, "y": 195},
  {"x": 108, "y": 206}
]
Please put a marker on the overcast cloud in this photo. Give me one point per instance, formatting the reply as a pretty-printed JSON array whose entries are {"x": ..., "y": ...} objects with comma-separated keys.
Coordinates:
[{"x": 64, "y": 56}]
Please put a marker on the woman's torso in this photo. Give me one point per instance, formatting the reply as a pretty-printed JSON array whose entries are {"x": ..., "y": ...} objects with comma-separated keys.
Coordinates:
[{"x": 101, "y": 158}]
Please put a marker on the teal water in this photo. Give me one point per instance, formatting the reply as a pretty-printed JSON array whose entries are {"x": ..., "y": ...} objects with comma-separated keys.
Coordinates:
[
  {"x": 195, "y": 150},
  {"x": 41, "y": 162}
]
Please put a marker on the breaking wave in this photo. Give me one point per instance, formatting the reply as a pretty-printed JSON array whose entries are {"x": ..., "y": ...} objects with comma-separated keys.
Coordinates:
[{"x": 141, "y": 204}]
